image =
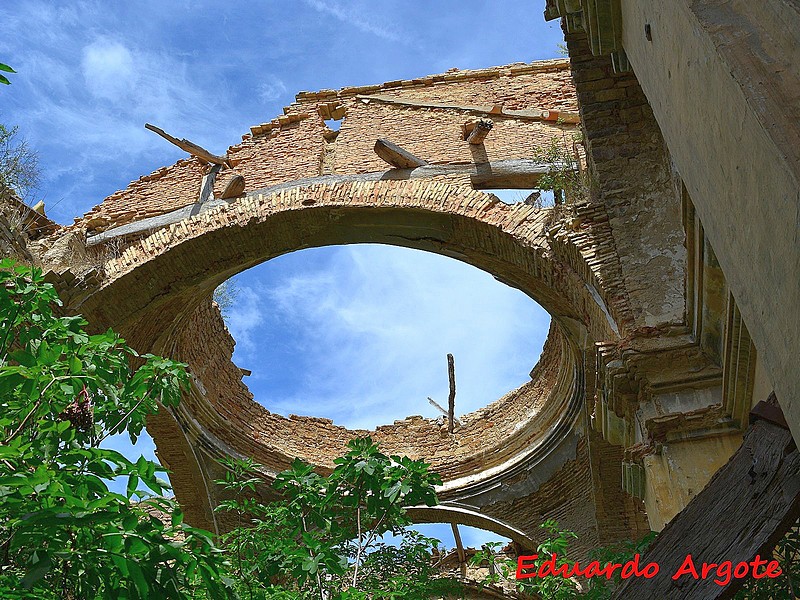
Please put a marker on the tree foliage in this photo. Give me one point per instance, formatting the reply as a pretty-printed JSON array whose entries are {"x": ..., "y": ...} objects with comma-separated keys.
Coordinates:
[
  {"x": 324, "y": 538},
  {"x": 63, "y": 533},
  {"x": 555, "y": 587},
  {"x": 19, "y": 165},
  {"x": 5, "y": 68}
]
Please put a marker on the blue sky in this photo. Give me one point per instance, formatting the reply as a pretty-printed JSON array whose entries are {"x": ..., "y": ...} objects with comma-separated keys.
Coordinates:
[{"x": 358, "y": 333}]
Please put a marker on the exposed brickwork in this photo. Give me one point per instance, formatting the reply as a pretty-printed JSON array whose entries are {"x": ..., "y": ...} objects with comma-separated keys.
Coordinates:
[
  {"x": 631, "y": 170},
  {"x": 157, "y": 290}
]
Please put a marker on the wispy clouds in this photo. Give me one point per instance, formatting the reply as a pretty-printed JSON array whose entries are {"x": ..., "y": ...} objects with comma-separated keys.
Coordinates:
[
  {"x": 362, "y": 335},
  {"x": 353, "y": 15}
]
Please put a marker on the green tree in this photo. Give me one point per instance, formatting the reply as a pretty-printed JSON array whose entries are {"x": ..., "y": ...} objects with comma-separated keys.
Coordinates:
[
  {"x": 63, "y": 533},
  {"x": 555, "y": 587},
  {"x": 324, "y": 538},
  {"x": 19, "y": 165},
  {"x": 787, "y": 553}
]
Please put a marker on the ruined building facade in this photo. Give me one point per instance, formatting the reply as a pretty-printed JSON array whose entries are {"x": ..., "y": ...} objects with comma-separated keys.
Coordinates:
[{"x": 670, "y": 276}]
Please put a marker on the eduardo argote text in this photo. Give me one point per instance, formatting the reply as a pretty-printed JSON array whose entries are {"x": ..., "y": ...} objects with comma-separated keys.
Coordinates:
[{"x": 722, "y": 573}]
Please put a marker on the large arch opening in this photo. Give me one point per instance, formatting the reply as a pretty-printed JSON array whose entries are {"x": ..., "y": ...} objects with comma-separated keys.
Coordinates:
[
  {"x": 161, "y": 287},
  {"x": 359, "y": 334}
]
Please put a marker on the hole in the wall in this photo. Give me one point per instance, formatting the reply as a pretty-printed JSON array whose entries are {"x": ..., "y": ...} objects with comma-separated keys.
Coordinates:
[
  {"x": 360, "y": 333},
  {"x": 334, "y": 124},
  {"x": 534, "y": 197}
]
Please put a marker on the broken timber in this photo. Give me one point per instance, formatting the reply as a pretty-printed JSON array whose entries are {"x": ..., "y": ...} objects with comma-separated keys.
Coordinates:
[
  {"x": 190, "y": 147},
  {"x": 477, "y": 131},
  {"x": 435, "y": 404},
  {"x": 462, "y": 556},
  {"x": 745, "y": 509},
  {"x": 451, "y": 399},
  {"x": 234, "y": 187},
  {"x": 396, "y": 156},
  {"x": 502, "y": 174},
  {"x": 495, "y": 110},
  {"x": 207, "y": 185}
]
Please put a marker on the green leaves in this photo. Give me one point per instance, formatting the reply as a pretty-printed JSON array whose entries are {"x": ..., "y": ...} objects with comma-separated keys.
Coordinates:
[
  {"x": 62, "y": 392},
  {"x": 324, "y": 537},
  {"x": 7, "y": 69}
]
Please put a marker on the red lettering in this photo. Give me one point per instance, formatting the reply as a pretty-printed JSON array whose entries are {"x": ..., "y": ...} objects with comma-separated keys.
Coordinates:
[
  {"x": 610, "y": 568},
  {"x": 738, "y": 573},
  {"x": 593, "y": 569},
  {"x": 707, "y": 569},
  {"x": 631, "y": 568},
  {"x": 650, "y": 570},
  {"x": 576, "y": 570},
  {"x": 758, "y": 562},
  {"x": 686, "y": 567},
  {"x": 774, "y": 569},
  {"x": 564, "y": 571},
  {"x": 522, "y": 565},
  {"x": 724, "y": 573},
  {"x": 549, "y": 564}
]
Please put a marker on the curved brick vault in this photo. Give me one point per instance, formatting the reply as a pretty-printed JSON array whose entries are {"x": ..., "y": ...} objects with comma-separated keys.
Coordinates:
[
  {"x": 159, "y": 291},
  {"x": 525, "y": 457}
]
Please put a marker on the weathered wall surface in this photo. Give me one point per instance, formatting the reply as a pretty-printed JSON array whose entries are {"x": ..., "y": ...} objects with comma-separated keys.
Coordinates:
[
  {"x": 723, "y": 81},
  {"x": 609, "y": 268},
  {"x": 634, "y": 185},
  {"x": 294, "y": 146}
]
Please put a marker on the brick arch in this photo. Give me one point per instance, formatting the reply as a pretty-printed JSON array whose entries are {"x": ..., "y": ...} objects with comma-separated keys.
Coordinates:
[{"x": 158, "y": 296}]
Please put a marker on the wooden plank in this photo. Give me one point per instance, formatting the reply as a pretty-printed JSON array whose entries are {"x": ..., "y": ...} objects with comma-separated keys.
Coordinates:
[
  {"x": 439, "y": 407},
  {"x": 451, "y": 399},
  {"x": 480, "y": 129},
  {"x": 482, "y": 111},
  {"x": 745, "y": 509},
  {"x": 234, "y": 187},
  {"x": 519, "y": 173},
  {"x": 462, "y": 557},
  {"x": 207, "y": 185},
  {"x": 189, "y": 147},
  {"x": 396, "y": 156}
]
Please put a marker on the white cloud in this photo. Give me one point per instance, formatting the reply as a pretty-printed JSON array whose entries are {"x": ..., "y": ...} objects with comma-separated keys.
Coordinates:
[
  {"x": 369, "y": 333},
  {"x": 272, "y": 88},
  {"x": 108, "y": 69},
  {"x": 244, "y": 320}
]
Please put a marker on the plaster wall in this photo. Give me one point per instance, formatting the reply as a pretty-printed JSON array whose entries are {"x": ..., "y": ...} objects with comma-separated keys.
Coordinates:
[
  {"x": 722, "y": 79},
  {"x": 680, "y": 471}
]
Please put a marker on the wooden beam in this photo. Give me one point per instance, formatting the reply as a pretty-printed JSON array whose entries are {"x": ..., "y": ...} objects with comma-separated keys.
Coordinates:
[
  {"x": 451, "y": 399},
  {"x": 396, "y": 156},
  {"x": 234, "y": 187},
  {"x": 436, "y": 405},
  {"x": 207, "y": 185},
  {"x": 462, "y": 556},
  {"x": 478, "y": 130},
  {"x": 515, "y": 173},
  {"x": 496, "y": 110},
  {"x": 190, "y": 147},
  {"x": 744, "y": 511}
]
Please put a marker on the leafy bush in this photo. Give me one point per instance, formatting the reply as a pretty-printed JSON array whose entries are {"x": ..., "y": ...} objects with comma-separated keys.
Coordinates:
[
  {"x": 323, "y": 539},
  {"x": 63, "y": 533}
]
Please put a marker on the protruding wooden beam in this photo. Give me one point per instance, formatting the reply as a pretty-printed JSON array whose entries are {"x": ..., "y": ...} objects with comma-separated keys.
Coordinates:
[
  {"x": 439, "y": 407},
  {"x": 396, "y": 156},
  {"x": 746, "y": 508},
  {"x": 235, "y": 187},
  {"x": 190, "y": 147},
  {"x": 476, "y": 131},
  {"x": 451, "y": 400},
  {"x": 462, "y": 556},
  {"x": 207, "y": 185}
]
